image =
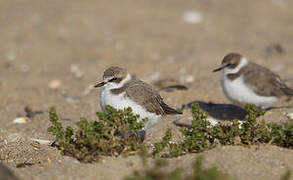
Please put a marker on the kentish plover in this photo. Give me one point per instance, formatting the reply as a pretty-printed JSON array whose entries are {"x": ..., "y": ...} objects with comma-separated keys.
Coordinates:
[
  {"x": 121, "y": 90},
  {"x": 245, "y": 82}
]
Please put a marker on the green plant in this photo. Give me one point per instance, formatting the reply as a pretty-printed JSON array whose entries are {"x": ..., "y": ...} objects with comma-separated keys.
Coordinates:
[
  {"x": 160, "y": 146},
  {"x": 115, "y": 133},
  {"x": 203, "y": 136}
]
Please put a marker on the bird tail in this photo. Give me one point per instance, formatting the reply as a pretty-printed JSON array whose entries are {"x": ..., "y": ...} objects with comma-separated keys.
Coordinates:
[
  {"x": 288, "y": 91},
  {"x": 169, "y": 110}
]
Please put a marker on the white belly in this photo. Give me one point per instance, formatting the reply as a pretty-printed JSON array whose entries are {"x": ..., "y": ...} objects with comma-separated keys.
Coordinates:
[
  {"x": 121, "y": 101},
  {"x": 239, "y": 93}
]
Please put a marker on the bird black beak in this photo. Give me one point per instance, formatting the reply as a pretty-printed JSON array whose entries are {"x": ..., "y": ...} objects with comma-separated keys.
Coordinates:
[
  {"x": 100, "y": 84},
  {"x": 221, "y": 68},
  {"x": 218, "y": 69}
]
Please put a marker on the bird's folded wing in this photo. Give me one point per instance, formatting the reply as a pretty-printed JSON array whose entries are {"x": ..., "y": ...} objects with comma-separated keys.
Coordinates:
[
  {"x": 263, "y": 81},
  {"x": 146, "y": 96}
]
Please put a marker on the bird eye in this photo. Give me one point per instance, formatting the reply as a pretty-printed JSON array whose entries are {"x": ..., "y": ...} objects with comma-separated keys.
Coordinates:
[
  {"x": 113, "y": 79},
  {"x": 228, "y": 65}
]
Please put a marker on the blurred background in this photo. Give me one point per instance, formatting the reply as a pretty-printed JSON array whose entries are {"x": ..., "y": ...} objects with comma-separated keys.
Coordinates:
[{"x": 53, "y": 51}]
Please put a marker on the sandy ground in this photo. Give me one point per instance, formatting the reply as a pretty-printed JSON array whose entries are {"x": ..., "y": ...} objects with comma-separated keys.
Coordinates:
[{"x": 74, "y": 41}]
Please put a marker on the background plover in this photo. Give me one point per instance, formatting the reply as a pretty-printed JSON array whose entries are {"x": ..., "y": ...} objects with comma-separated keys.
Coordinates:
[{"x": 245, "y": 82}]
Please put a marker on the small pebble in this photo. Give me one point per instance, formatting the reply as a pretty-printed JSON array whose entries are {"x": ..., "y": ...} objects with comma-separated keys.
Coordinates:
[
  {"x": 20, "y": 120},
  {"x": 189, "y": 78},
  {"x": 55, "y": 84},
  {"x": 72, "y": 100},
  {"x": 11, "y": 55},
  {"x": 212, "y": 121},
  {"x": 153, "y": 77},
  {"x": 240, "y": 123},
  {"x": 30, "y": 113},
  {"x": 88, "y": 89},
  {"x": 290, "y": 115},
  {"x": 76, "y": 71},
  {"x": 274, "y": 48},
  {"x": 35, "y": 145},
  {"x": 192, "y": 17},
  {"x": 41, "y": 141},
  {"x": 69, "y": 99}
]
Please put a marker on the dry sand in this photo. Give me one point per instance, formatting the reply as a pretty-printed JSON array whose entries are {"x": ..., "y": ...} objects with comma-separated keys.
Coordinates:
[{"x": 74, "y": 41}]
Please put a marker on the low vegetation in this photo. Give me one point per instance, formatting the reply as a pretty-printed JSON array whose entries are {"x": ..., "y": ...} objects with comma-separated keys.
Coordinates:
[
  {"x": 202, "y": 135},
  {"x": 115, "y": 133}
]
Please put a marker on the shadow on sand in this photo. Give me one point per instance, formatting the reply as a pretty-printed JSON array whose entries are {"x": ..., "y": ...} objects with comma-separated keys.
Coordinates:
[
  {"x": 225, "y": 111},
  {"x": 221, "y": 111}
]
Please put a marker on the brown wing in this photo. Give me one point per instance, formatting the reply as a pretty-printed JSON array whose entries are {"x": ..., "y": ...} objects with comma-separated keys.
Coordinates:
[
  {"x": 145, "y": 95},
  {"x": 263, "y": 81}
]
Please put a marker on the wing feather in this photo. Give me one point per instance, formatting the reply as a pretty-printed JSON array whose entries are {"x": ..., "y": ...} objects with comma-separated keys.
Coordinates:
[
  {"x": 263, "y": 81},
  {"x": 145, "y": 95}
]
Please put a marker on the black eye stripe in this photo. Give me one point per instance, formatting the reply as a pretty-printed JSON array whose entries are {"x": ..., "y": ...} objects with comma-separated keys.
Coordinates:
[
  {"x": 233, "y": 65},
  {"x": 115, "y": 80}
]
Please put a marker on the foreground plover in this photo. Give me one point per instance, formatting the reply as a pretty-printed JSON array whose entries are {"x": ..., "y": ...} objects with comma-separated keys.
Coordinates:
[
  {"x": 121, "y": 90},
  {"x": 245, "y": 82}
]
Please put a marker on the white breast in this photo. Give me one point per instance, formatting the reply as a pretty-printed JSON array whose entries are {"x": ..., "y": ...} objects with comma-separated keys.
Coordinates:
[
  {"x": 120, "y": 101},
  {"x": 237, "y": 91}
]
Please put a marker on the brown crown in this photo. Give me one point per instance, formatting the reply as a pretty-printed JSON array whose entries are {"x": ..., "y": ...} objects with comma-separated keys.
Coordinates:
[
  {"x": 233, "y": 59},
  {"x": 115, "y": 71}
]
